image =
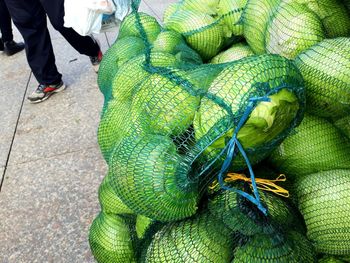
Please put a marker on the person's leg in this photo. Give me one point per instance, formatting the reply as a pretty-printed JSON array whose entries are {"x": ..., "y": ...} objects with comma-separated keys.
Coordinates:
[
  {"x": 83, "y": 44},
  {"x": 5, "y": 23},
  {"x": 30, "y": 19}
]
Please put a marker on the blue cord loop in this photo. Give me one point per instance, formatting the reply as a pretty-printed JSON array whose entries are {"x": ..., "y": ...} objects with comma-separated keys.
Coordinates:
[{"x": 231, "y": 153}]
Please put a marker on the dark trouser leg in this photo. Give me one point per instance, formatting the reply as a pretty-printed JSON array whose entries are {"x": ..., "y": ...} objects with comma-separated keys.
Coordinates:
[
  {"x": 30, "y": 19},
  {"x": 83, "y": 44},
  {"x": 5, "y": 23}
]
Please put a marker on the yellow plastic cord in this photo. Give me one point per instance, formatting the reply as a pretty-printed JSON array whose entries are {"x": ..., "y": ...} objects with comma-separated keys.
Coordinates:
[{"x": 262, "y": 184}]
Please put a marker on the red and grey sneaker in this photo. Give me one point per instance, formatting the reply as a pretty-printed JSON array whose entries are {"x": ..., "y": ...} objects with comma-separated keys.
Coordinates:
[
  {"x": 43, "y": 92},
  {"x": 96, "y": 60}
]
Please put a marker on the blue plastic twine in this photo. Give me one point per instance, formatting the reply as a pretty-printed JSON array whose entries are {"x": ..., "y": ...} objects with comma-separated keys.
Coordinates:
[{"x": 231, "y": 154}]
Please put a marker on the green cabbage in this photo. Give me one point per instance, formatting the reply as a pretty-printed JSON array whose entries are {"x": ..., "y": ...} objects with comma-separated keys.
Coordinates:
[
  {"x": 324, "y": 202},
  {"x": 197, "y": 239},
  {"x": 256, "y": 17},
  {"x": 267, "y": 121},
  {"x": 110, "y": 239},
  {"x": 168, "y": 107},
  {"x": 167, "y": 41},
  {"x": 326, "y": 71},
  {"x": 315, "y": 146},
  {"x": 231, "y": 12},
  {"x": 292, "y": 29},
  {"x": 133, "y": 73},
  {"x": 201, "y": 31},
  {"x": 291, "y": 248},
  {"x": 344, "y": 125},
  {"x": 151, "y": 178},
  {"x": 129, "y": 27},
  {"x": 119, "y": 53},
  {"x": 109, "y": 201},
  {"x": 236, "y": 52}
]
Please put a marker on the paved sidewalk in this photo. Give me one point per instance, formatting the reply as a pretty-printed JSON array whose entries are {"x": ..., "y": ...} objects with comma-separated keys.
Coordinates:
[{"x": 50, "y": 163}]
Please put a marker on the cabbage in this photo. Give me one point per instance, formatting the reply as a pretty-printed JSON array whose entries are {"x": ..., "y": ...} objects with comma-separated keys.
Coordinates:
[
  {"x": 344, "y": 125},
  {"x": 202, "y": 6},
  {"x": 293, "y": 29},
  {"x": 330, "y": 259},
  {"x": 132, "y": 73},
  {"x": 236, "y": 52},
  {"x": 324, "y": 202},
  {"x": 110, "y": 239},
  {"x": 151, "y": 178},
  {"x": 119, "y": 53},
  {"x": 256, "y": 16},
  {"x": 235, "y": 212},
  {"x": 169, "y": 108},
  {"x": 109, "y": 201},
  {"x": 197, "y": 239},
  {"x": 170, "y": 10},
  {"x": 291, "y": 248},
  {"x": 129, "y": 27},
  {"x": 315, "y": 146},
  {"x": 267, "y": 121},
  {"x": 167, "y": 41},
  {"x": 201, "y": 31},
  {"x": 334, "y": 17},
  {"x": 231, "y": 12},
  {"x": 326, "y": 71}
]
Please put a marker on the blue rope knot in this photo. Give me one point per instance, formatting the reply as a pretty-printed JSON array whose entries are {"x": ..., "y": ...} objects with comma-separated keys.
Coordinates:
[{"x": 231, "y": 154}]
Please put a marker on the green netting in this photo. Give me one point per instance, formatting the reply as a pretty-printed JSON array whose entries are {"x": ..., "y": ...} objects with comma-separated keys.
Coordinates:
[
  {"x": 173, "y": 129},
  {"x": 290, "y": 247},
  {"x": 316, "y": 145},
  {"x": 240, "y": 215},
  {"x": 326, "y": 71},
  {"x": 198, "y": 239},
  {"x": 235, "y": 52},
  {"x": 288, "y": 27},
  {"x": 330, "y": 259},
  {"x": 324, "y": 201},
  {"x": 111, "y": 239}
]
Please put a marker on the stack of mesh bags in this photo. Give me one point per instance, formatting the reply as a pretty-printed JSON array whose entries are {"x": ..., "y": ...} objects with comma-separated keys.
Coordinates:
[{"x": 206, "y": 95}]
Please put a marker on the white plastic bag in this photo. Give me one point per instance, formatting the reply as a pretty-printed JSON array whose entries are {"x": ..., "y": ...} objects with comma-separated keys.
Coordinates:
[{"x": 94, "y": 16}]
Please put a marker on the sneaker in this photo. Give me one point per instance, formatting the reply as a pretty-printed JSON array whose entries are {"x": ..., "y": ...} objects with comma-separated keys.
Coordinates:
[
  {"x": 43, "y": 92},
  {"x": 1, "y": 45},
  {"x": 11, "y": 47},
  {"x": 96, "y": 60}
]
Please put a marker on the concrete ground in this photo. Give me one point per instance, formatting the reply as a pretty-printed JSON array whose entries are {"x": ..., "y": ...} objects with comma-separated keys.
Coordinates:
[{"x": 50, "y": 162}]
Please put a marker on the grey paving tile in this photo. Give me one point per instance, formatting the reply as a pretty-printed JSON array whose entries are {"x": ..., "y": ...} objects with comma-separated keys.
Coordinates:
[
  {"x": 47, "y": 206},
  {"x": 14, "y": 75},
  {"x": 67, "y": 121}
]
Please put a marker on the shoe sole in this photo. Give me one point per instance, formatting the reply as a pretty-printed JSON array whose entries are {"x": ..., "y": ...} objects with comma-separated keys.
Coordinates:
[{"x": 49, "y": 94}]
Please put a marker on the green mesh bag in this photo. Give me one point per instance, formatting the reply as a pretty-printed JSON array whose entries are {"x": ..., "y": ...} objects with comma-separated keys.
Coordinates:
[
  {"x": 343, "y": 125},
  {"x": 109, "y": 201},
  {"x": 324, "y": 201},
  {"x": 150, "y": 177},
  {"x": 330, "y": 259},
  {"x": 119, "y": 53},
  {"x": 315, "y": 146},
  {"x": 110, "y": 239},
  {"x": 130, "y": 27},
  {"x": 334, "y": 17},
  {"x": 255, "y": 18},
  {"x": 230, "y": 12},
  {"x": 291, "y": 247},
  {"x": 173, "y": 43},
  {"x": 265, "y": 75},
  {"x": 202, "y": 32},
  {"x": 132, "y": 73},
  {"x": 239, "y": 214},
  {"x": 198, "y": 239},
  {"x": 291, "y": 29},
  {"x": 236, "y": 52},
  {"x": 326, "y": 70}
]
